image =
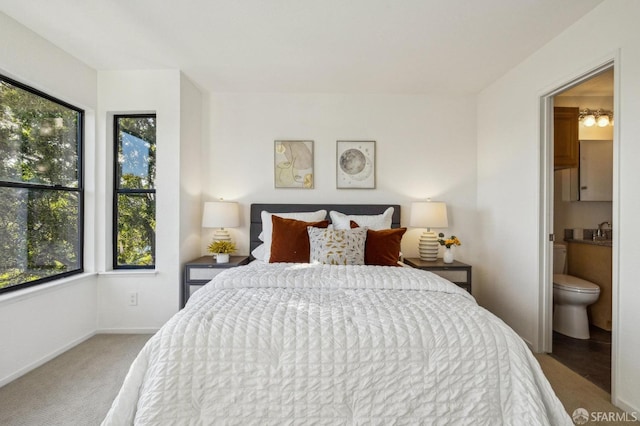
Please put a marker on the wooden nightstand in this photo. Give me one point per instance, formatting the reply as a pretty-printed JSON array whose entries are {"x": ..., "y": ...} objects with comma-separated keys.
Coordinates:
[
  {"x": 457, "y": 272},
  {"x": 200, "y": 271}
]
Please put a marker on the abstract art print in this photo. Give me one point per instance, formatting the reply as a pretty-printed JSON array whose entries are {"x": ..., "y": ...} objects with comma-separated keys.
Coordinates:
[
  {"x": 293, "y": 164},
  {"x": 356, "y": 165}
]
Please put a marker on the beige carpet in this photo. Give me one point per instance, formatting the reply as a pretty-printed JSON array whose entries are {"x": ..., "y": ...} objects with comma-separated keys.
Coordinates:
[
  {"x": 77, "y": 387},
  {"x": 574, "y": 391}
]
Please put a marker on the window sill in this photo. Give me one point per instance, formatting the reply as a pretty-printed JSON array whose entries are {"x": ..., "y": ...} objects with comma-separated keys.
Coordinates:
[
  {"x": 36, "y": 290},
  {"x": 129, "y": 273}
]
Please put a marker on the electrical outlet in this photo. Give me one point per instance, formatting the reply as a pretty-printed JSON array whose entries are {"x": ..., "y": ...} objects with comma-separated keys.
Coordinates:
[{"x": 133, "y": 298}]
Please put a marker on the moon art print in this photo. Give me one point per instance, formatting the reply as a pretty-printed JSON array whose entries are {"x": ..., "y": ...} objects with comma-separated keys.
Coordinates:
[
  {"x": 355, "y": 164},
  {"x": 352, "y": 161},
  {"x": 293, "y": 164}
]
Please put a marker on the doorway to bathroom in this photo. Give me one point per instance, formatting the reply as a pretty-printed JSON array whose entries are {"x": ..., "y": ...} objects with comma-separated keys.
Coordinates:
[{"x": 579, "y": 167}]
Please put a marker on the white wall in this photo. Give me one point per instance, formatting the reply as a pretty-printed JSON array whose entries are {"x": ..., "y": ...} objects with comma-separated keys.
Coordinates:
[
  {"x": 425, "y": 147},
  {"x": 508, "y": 179},
  {"x": 158, "y": 291},
  {"x": 41, "y": 322},
  {"x": 48, "y": 319},
  {"x": 191, "y": 137}
]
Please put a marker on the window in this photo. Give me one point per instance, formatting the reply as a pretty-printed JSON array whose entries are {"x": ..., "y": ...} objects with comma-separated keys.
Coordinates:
[
  {"x": 41, "y": 193},
  {"x": 134, "y": 195}
]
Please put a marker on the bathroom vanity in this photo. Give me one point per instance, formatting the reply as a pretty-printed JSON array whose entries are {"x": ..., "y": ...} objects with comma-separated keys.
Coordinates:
[{"x": 591, "y": 261}]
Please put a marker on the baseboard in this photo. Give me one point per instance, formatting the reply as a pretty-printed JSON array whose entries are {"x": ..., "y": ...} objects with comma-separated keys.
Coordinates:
[
  {"x": 127, "y": 330},
  {"x": 626, "y": 407},
  {"x": 45, "y": 359}
]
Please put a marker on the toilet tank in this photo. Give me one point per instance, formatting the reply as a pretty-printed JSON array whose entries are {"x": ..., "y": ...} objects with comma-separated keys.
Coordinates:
[{"x": 559, "y": 259}]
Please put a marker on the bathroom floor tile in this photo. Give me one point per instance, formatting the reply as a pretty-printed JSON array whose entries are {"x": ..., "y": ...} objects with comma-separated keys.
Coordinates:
[{"x": 589, "y": 358}]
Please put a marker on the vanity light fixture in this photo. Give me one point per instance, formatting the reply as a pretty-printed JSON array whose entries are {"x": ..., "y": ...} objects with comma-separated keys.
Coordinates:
[
  {"x": 590, "y": 118},
  {"x": 603, "y": 121}
]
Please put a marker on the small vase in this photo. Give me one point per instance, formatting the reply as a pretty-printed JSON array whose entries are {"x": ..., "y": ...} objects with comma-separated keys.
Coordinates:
[
  {"x": 222, "y": 258},
  {"x": 448, "y": 256}
]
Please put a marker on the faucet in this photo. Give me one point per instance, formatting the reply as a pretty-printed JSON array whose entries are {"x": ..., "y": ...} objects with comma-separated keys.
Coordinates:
[{"x": 600, "y": 233}]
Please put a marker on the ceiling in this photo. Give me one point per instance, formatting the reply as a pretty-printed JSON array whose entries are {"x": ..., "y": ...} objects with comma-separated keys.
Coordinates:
[
  {"x": 339, "y": 46},
  {"x": 599, "y": 85}
]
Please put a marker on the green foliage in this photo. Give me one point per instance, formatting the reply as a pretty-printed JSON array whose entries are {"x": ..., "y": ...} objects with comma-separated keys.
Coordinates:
[
  {"x": 38, "y": 139},
  {"x": 136, "y": 152},
  {"x": 39, "y": 227},
  {"x": 221, "y": 247},
  {"x": 136, "y": 221},
  {"x": 136, "y": 229}
]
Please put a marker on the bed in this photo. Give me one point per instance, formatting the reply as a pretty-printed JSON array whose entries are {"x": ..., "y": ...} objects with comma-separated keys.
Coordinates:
[{"x": 312, "y": 343}]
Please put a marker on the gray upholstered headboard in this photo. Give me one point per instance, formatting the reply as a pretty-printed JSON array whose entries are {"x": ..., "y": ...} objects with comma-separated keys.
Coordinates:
[{"x": 256, "y": 209}]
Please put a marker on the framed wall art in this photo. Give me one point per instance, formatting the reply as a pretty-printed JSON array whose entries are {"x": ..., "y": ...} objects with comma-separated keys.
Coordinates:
[
  {"x": 356, "y": 165},
  {"x": 293, "y": 164}
]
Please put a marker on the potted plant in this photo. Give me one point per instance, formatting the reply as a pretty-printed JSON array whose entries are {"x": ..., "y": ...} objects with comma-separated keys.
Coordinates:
[
  {"x": 221, "y": 250},
  {"x": 448, "y": 243}
]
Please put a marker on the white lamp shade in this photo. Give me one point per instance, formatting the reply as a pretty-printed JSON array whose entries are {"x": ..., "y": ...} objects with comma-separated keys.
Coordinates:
[
  {"x": 429, "y": 214},
  {"x": 220, "y": 214}
]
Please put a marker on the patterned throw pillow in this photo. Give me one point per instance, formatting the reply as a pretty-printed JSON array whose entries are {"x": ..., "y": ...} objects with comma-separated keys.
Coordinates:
[{"x": 337, "y": 246}]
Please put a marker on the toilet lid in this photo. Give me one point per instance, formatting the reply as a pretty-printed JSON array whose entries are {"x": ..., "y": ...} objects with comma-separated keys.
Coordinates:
[{"x": 569, "y": 282}]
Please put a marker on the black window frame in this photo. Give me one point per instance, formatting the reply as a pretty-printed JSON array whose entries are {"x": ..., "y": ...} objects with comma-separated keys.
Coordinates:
[
  {"x": 117, "y": 191},
  {"x": 79, "y": 190}
]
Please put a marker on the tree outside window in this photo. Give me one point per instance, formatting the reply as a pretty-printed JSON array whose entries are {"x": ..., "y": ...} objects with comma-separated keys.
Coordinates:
[
  {"x": 134, "y": 241},
  {"x": 41, "y": 194}
]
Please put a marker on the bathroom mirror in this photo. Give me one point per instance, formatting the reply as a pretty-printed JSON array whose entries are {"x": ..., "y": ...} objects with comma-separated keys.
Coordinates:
[
  {"x": 596, "y": 170},
  {"x": 570, "y": 184}
]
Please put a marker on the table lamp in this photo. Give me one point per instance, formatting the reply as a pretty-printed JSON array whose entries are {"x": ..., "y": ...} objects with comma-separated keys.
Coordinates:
[
  {"x": 429, "y": 214},
  {"x": 220, "y": 215}
]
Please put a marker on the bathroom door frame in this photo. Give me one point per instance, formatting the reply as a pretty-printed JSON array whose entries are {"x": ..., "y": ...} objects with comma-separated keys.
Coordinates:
[{"x": 545, "y": 326}]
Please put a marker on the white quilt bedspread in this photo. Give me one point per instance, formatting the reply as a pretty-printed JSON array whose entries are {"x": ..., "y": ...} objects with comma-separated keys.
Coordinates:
[{"x": 330, "y": 345}]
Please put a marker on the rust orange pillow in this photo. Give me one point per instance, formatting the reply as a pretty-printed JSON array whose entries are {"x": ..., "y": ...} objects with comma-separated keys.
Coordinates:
[
  {"x": 382, "y": 247},
  {"x": 290, "y": 240}
]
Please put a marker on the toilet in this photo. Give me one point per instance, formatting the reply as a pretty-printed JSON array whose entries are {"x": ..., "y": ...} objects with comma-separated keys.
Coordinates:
[{"x": 571, "y": 296}]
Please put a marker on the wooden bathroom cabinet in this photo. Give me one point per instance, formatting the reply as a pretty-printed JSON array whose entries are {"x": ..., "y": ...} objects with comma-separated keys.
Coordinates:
[
  {"x": 592, "y": 262},
  {"x": 565, "y": 137}
]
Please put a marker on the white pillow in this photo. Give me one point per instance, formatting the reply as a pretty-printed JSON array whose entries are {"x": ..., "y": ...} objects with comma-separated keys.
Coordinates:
[
  {"x": 267, "y": 225},
  {"x": 374, "y": 222},
  {"x": 258, "y": 252},
  {"x": 337, "y": 247}
]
